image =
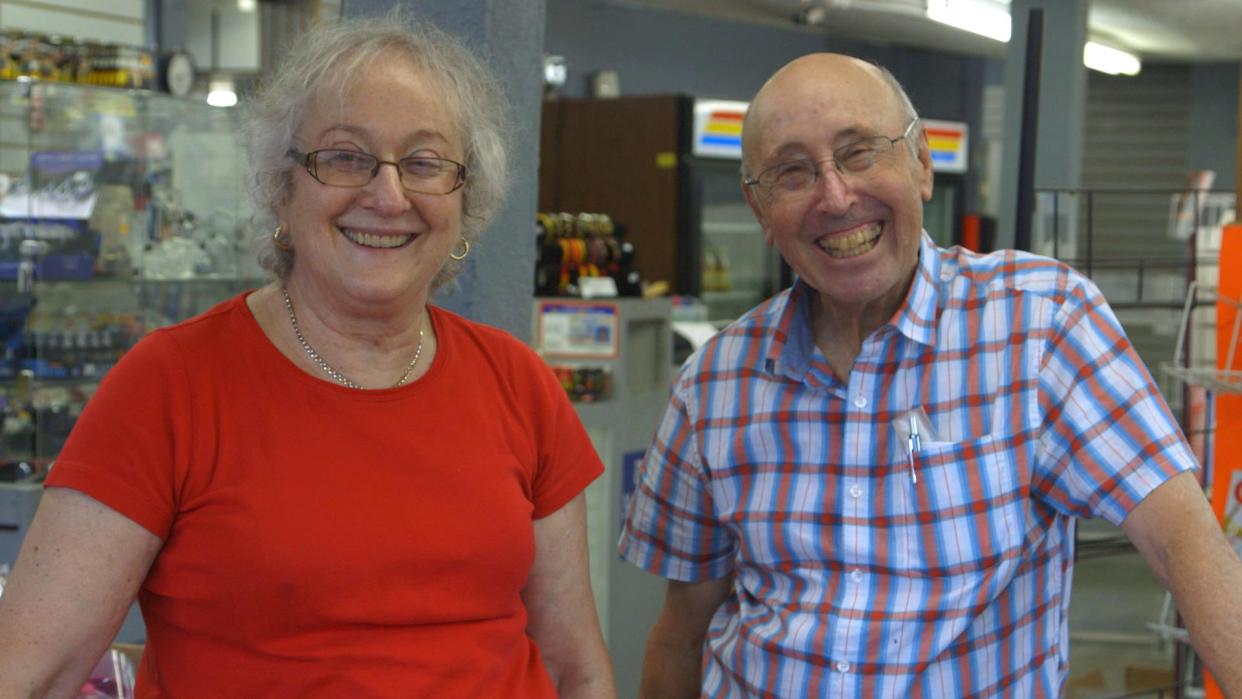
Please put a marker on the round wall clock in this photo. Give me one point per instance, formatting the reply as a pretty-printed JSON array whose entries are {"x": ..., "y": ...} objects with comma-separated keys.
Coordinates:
[{"x": 177, "y": 73}]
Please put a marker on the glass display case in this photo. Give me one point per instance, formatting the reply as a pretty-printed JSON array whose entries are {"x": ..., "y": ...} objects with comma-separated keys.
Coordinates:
[{"x": 120, "y": 211}]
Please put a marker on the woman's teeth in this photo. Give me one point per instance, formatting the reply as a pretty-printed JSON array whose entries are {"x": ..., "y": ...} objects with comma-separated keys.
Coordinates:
[
  {"x": 371, "y": 240},
  {"x": 851, "y": 244}
]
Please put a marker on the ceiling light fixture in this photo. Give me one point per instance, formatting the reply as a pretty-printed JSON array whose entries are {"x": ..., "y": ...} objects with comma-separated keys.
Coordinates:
[
  {"x": 989, "y": 19},
  {"x": 975, "y": 16},
  {"x": 811, "y": 16},
  {"x": 1107, "y": 59},
  {"x": 222, "y": 94}
]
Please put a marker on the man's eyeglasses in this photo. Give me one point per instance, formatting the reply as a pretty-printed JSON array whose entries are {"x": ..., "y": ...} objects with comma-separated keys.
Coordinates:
[
  {"x": 798, "y": 176},
  {"x": 351, "y": 168}
]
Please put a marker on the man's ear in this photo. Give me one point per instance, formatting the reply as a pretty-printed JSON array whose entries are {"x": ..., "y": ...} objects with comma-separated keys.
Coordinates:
[
  {"x": 923, "y": 153},
  {"x": 757, "y": 209}
]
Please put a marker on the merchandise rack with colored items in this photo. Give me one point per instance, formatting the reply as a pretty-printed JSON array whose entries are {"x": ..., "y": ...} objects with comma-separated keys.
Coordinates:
[
  {"x": 584, "y": 383},
  {"x": 68, "y": 60},
  {"x": 571, "y": 248}
]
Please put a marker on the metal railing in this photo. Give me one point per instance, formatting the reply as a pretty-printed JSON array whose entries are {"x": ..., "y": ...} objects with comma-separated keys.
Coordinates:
[
  {"x": 1179, "y": 224},
  {"x": 1214, "y": 379}
]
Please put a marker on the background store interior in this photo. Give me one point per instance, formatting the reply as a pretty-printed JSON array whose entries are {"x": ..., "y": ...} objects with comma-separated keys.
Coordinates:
[{"x": 1122, "y": 190}]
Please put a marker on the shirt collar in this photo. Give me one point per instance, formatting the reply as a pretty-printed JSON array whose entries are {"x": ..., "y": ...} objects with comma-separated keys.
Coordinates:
[
  {"x": 916, "y": 317},
  {"x": 791, "y": 346}
]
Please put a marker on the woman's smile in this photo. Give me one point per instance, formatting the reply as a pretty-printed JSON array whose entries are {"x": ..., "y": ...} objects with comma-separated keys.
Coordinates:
[{"x": 377, "y": 240}]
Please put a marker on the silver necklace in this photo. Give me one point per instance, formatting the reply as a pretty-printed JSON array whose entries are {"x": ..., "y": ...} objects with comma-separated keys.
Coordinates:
[{"x": 319, "y": 362}]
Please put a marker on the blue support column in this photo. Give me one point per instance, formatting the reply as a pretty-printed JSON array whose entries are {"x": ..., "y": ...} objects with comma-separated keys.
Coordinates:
[
  {"x": 1062, "y": 105},
  {"x": 168, "y": 26},
  {"x": 497, "y": 285}
]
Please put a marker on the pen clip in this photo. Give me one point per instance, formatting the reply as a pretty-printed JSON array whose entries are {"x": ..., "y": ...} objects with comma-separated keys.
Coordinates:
[{"x": 913, "y": 446}]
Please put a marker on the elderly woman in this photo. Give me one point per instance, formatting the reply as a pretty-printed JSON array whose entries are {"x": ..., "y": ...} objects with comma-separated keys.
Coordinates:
[{"x": 328, "y": 486}]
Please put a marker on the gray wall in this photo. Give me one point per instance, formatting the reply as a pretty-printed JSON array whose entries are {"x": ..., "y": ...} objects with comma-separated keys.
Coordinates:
[
  {"x": 658, "y": 51},
  {"x": 663, "y": 52},
  {"x": 1212, "y": 132}
]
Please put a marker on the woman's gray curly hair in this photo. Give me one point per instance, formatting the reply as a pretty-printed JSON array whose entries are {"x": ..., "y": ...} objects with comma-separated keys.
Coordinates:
[{"x": 320, "y": 62}]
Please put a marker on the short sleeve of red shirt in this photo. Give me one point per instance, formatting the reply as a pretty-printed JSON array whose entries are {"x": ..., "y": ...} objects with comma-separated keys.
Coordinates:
[
  {"x": 567, "y": 459},
  {"x": 126, "y": 449}
]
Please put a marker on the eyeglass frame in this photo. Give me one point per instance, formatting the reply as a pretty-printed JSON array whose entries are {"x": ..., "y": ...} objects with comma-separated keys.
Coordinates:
[
  {"x": 815, "y": 164},
  {"x": 309, "y": 161}
]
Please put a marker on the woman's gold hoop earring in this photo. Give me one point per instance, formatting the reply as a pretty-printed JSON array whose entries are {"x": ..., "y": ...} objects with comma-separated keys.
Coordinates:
[
  {"x": 281, "y": 240},
  {"x": 464, "y": 252}
]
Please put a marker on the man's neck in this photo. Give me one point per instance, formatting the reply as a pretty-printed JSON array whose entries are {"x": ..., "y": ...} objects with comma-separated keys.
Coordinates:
[
  {"x": 839, "y": 337},
  {"x": 840, "y": 329}
]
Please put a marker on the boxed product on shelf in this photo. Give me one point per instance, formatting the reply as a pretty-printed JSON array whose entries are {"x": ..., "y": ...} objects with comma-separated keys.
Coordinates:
[
  {"x": 66, "y": 248},
  {"x": 51, "y": 207},
  {"x": 60, "y": 185}
]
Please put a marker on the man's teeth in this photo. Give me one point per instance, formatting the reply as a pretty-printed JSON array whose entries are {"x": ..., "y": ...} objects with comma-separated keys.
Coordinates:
[
  {"x": 851, "y": 244},
  {"x": 371, "y": 240}
]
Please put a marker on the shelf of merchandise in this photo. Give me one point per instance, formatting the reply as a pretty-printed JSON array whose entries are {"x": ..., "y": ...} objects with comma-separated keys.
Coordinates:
[{"x": 142, "y": 192}]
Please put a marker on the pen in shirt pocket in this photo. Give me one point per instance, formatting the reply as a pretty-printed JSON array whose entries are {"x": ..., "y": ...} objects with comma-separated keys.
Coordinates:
[
  {"x": 913, "y": 445},
  {"x": 914, "y": 427}
]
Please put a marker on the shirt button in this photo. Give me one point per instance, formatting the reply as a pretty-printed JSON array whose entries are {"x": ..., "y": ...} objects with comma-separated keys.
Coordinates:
[
  {"x": 856, "y": 575},
  {"x": 843, "y": 666},
  {"x": 856, "y": 491},
  {"x": 860, "y": 402}
]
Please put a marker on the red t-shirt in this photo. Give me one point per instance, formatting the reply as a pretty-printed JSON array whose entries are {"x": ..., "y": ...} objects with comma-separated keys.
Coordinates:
[{"x": 321, "y": 541}]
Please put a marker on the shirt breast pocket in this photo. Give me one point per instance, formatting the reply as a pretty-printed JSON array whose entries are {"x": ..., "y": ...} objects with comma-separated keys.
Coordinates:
[{"x": 967, "y": 506}]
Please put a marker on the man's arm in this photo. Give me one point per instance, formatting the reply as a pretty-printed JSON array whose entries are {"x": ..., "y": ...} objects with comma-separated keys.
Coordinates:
[
  {"x": 673, "y": 663},
  {"x": 1178, "y": 535}
]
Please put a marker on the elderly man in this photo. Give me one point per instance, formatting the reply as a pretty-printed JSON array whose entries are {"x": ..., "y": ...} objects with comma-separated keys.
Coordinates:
[{"x": 867, "y": 485}]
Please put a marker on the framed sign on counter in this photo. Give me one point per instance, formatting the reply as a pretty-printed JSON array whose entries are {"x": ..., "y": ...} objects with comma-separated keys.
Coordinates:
[{"x": 578, "y": 329}]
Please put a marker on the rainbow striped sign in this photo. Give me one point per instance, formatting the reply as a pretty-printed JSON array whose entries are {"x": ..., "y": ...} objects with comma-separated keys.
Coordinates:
[
  {"x": 949, "y": 142},
  {"x": 718, "y": 128}
]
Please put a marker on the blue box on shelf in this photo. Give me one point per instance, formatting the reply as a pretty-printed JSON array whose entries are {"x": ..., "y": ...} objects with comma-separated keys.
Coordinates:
[
  {"x": 53, "y": 207},
  {"x": 69, "y": 247}
]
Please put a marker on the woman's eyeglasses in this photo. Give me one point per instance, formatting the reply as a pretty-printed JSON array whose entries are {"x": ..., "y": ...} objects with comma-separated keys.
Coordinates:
[{"x": 351, "y": 168}]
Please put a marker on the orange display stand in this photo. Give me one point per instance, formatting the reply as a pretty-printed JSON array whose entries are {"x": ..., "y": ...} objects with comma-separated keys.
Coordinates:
[{"x": 1227, "y": 461}]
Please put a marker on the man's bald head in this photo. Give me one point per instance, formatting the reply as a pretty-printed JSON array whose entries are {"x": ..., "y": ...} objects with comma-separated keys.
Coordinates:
[{"x": 826, "y": 73}]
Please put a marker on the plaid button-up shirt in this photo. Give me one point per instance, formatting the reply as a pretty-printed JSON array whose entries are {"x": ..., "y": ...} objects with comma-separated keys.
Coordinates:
[{"x": 851, "y": 578}]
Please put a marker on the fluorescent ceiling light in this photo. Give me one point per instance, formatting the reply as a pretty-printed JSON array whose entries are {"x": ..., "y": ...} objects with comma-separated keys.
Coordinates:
[
  {"x": 975, "y": 16},
  {"x": 246, "y": 5},
  {"x": 991, "y": 20},
  {"x": 222, "y": 98},
  {"x": 221, "y": 94},
  {"x": 1107, "y": 59}
]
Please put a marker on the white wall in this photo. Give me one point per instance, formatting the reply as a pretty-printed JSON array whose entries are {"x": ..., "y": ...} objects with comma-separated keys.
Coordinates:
[
  {"x": 236, "y": 40},
  {"x": 116, "y": 21}
]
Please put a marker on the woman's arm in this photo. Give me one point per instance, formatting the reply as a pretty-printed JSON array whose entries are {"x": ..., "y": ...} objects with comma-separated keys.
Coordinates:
[
  {"x": 562, "y": 610},
  {"x": 79, "y": 569}
]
